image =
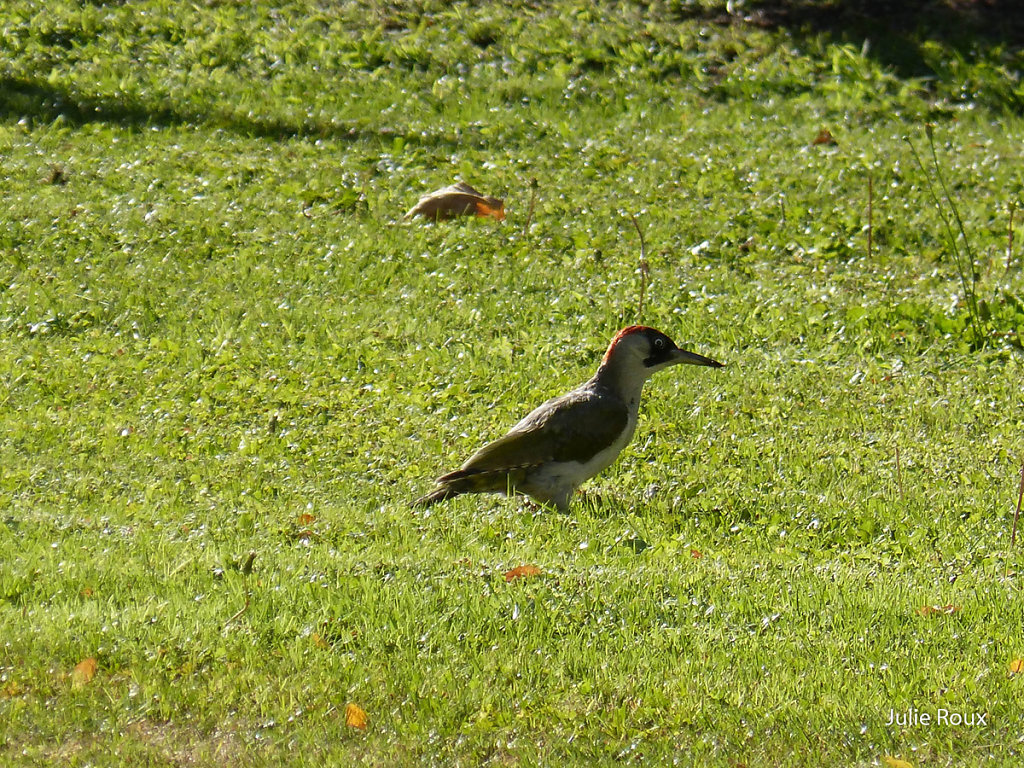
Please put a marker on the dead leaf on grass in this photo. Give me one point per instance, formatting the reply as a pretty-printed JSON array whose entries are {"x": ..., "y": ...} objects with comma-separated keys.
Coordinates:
[
  {"x": 895, "y": 762},
  {"x": 355, "y": 716},
  {"x": 522, "y": 572},
  {"x": 1016, "y": 666},
  {"x": 824, "y": 137},
  {"x": 938, "y": 610},
  {"x": 457, "y": 200},
  {"x": 84, "y": 671}
]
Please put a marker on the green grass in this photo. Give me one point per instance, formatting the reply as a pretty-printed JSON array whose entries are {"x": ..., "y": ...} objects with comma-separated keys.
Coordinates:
[{"x": 217, "y": 337}]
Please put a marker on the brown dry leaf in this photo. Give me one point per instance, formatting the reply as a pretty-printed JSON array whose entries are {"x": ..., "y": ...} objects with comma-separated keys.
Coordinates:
[
  {"x": 306, "y": 518},
  {"x": 85, "y": 592},
  {"x": 895, "y": 762},
  {"x": 355, "y": 716},
  {"x": 824, "y": 137},
  {"x": 696, "y": 554},
  {"x": 938, "y": 610},
  {"x": 522, "y": 572},
  {"x": 457, "y": 200},
  {"x": 1016, "y": 666},
  {"x": 491, "y": 206},
  {"x": 84, "y": 671}
]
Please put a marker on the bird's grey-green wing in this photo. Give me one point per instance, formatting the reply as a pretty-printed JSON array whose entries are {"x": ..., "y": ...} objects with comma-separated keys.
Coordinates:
[{"x": 569, "y": 428}]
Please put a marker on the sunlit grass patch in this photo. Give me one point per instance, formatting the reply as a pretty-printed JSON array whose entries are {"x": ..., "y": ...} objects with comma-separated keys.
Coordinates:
[{"x": 227, "y": 366}]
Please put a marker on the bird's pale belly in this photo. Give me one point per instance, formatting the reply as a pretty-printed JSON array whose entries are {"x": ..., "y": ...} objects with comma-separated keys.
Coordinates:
[{"x": 557, "y": 481}]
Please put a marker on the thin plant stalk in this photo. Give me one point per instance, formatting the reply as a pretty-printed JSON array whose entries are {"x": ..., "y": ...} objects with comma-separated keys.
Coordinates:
[
  {"x": 645, "y": 271},
  {"x": 644, "y": 268},
  {"x": 871, "y": 213},
  {"x": 1009, "y": 237},
  {"x": 968, "y": 279},
  {"x": 533, "y": 203},
  {"x": 899, "y": 476},
  {"x": 1016, "y": 514}
]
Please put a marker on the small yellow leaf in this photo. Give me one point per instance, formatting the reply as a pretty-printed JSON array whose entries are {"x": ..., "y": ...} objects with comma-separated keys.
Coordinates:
[
  {"x": 938, "y": 610},
  {"x": 84, "y": 671},
  {"x": 355, "y": 717},
  {"x": 1016, "y": 666},
  {"x": 522, "y": 572},
  {"x": 319, "y": 641},
  {"x": 895, "y": 762}
]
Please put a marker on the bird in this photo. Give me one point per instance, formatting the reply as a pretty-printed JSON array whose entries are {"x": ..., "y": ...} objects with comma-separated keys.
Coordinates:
[{"x": 569, "y": 439}]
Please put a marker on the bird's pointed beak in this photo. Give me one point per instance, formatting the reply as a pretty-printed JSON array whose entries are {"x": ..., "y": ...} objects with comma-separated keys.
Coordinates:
[{"x": 692, "y": 358}]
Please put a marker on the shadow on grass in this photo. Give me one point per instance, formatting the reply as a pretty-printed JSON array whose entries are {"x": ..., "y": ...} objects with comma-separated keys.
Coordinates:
[
  {"x": 37, "y": 99},
  {"x": 896, "y": 29},
  {"x": 898, "y": 33}
]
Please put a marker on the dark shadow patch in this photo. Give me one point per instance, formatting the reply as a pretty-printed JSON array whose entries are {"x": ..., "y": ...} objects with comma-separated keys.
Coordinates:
[
  {"x": 22, "y": 98},
  {"x": 894, "y": 29}
]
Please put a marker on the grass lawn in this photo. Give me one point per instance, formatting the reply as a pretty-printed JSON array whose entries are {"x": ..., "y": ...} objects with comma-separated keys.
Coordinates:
[{"x": 227, "y": 366}]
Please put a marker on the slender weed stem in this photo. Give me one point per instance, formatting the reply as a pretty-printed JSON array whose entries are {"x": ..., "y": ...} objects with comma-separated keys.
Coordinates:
[
  {"x": 533, "y": 203},
  {"x": 965, "y": 263},
  {"x": 1009, "y": 236},
  {"x": 644, "y": 269},
  {"x": 1016, "y": 514},
  {"x": 871, "y": 213},
  {"x": 899, "y": 476}
]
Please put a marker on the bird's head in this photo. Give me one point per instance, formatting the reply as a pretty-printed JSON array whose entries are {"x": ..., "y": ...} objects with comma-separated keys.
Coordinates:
[{"x": 647, "y": 350}]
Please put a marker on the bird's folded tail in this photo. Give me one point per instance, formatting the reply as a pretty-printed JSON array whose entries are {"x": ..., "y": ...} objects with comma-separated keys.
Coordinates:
[
  {"x": 438, "y": 494},
  {"x": 472, "y": 481}
]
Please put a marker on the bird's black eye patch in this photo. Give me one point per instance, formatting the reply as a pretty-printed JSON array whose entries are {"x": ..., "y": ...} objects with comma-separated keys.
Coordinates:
[
  {"x": 660, "y": 343},
  {"x": 661, "y": 348}
]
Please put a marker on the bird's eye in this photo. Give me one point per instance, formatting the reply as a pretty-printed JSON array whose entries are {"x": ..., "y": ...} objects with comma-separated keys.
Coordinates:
[{"x": 659, "y": 344}]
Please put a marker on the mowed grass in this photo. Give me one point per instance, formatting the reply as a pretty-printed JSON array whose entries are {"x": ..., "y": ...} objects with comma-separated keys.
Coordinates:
[{"x": 217, "y": 338}]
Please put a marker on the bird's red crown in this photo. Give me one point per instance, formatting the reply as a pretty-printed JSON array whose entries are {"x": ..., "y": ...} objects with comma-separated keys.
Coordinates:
[{"x": 623, "y": 334}]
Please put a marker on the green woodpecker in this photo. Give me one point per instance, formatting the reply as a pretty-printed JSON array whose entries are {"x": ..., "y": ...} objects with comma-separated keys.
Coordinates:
[{"x": 571, "y": 438}]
